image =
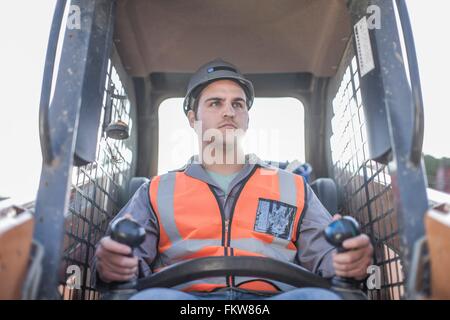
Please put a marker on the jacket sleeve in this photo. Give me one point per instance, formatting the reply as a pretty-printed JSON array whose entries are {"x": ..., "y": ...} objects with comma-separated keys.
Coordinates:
[
  {"x": 313, "y": 251},
  {"x": 140, "y": 209}
]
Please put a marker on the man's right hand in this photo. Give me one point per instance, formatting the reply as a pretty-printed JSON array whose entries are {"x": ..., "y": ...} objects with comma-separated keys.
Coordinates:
[{"x": 114, "y": 262}]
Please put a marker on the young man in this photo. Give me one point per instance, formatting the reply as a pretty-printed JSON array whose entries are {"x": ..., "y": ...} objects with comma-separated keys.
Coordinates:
[{"x": 224, "y": 203}]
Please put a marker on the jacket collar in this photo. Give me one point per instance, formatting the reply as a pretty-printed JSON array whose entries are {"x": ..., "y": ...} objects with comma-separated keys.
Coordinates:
[{"x": 194, "y": 168}]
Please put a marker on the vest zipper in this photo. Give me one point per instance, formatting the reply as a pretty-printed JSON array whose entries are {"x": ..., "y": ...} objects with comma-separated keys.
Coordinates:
[
  {"x": 227, "y": 249},
  {"x": 225, "y": 228},
  {"x": 229, "y": 222},
  {"x": 236, "y": 198},
  {"x": 226, "y": 223}
]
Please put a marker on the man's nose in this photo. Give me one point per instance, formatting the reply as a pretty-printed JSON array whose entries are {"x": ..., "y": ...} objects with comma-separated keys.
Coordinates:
[{"x": 229, "y": 110}]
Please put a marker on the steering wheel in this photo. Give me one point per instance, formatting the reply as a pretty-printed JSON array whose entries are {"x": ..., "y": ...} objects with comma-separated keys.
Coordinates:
[{"x": 258, "y": 267}]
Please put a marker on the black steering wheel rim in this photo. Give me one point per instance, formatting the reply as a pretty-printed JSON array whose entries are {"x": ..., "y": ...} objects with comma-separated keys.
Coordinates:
[{"x": 246, "y": 266}]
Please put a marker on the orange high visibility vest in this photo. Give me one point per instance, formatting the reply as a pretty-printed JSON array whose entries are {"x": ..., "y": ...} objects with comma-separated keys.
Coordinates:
[{"x": 264, "y": 222}]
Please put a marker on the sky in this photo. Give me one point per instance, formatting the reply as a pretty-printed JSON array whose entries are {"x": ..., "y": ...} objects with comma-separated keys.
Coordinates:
[{"x": 24, "y": 29}]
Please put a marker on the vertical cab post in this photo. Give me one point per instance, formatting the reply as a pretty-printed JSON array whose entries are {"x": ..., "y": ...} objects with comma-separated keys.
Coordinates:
[
  {"x": 390, "y": 109},
  {"x": 84, "y": 47}
]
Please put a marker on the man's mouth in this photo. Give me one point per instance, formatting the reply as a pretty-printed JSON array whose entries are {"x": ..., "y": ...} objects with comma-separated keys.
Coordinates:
[{"x": 228, "y": 126}]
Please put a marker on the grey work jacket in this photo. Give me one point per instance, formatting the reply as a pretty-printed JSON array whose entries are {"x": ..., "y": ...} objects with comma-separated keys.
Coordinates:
[{"x": 313, "y": 251}]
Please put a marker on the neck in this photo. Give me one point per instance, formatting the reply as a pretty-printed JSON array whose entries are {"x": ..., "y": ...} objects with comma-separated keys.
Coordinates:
[
  {"x": 224, "y": 169},
  {"x": 225, "y": 162}
]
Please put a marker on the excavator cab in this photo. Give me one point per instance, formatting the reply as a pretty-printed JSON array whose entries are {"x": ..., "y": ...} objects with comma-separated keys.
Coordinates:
[{"x": 350, "y": 63}]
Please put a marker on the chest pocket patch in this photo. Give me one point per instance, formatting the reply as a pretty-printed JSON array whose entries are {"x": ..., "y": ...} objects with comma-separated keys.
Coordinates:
[{"x": 275, "y": 218}]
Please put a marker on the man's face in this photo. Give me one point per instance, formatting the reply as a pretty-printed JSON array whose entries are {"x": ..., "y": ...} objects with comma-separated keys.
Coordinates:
[{"x": 222, "y": 106}]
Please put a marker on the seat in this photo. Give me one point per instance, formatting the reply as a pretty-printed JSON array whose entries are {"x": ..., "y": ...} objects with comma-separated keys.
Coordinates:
[
  {"x": 134, "y": 184},
  {"x": 326, "y": 190}
]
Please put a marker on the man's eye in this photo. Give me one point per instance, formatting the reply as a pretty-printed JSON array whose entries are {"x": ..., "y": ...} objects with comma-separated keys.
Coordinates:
[
  {"x": 237, "y": 105},
  {"x": 215, "y": 104}
]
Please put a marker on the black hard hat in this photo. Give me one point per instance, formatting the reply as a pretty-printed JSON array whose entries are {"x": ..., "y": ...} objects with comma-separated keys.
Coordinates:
[{"x": 210, "y": 72}]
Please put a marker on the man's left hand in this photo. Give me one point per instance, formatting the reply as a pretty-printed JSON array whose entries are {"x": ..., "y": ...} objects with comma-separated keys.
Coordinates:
[{"x": 354, "y": 262}]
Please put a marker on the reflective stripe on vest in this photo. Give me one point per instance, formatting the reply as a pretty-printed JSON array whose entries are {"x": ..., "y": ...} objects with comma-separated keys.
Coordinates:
[{"x": 264, "y": 221}]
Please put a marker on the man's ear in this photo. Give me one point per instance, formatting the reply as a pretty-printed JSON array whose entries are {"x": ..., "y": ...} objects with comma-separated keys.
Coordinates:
[{"x": 191, "y": 118}]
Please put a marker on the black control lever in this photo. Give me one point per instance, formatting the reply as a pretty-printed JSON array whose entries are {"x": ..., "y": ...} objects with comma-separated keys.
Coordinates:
[
  {"x": 130, "y": 233},
  {"x": 127, "y": 232},
  {"x": 336, "y": 233}
]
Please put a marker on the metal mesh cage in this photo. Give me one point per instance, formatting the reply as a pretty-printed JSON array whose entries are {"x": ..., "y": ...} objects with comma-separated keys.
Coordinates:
[
  {"x": 365, "y": 185},
  {"x": 95, "y": 195}
]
